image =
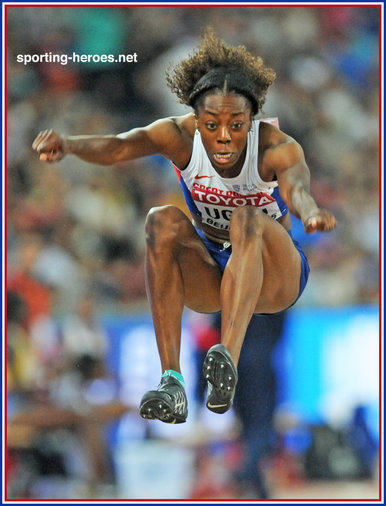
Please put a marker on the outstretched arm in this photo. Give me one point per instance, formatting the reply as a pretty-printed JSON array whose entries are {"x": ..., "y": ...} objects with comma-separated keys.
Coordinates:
[
  {"x": 294, "y": 182},
  {"x": 161, "y": 137}
]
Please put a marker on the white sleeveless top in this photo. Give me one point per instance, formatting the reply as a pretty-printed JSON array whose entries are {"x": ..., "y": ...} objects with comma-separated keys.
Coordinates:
[{"x": 214, "y": 198}]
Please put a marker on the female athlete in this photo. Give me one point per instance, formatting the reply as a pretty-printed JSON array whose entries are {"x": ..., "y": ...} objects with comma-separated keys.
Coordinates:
[{"x": 240, "y": 178}]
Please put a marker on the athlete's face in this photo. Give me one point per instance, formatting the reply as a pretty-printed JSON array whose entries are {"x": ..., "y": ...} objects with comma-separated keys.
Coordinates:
[{"x": 224, "y": 122}]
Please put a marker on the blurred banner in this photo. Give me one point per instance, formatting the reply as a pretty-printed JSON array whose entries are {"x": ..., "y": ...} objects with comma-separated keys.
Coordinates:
[
  {"x": 327, "y": 361},
  {"x": 328, "y": 392}
]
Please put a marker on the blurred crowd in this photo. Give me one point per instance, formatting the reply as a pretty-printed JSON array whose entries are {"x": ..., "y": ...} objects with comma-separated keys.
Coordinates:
[{"x": 75, "y": 231}]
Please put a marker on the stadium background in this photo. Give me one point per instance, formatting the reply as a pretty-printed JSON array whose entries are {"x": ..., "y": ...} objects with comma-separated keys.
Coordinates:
[{"x": 75, "y": 245}]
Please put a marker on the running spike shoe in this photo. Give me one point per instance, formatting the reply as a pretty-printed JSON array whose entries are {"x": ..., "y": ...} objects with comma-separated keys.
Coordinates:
[
  {"x": 221, "y": 374},
  {"x": 168, "y": 403}
]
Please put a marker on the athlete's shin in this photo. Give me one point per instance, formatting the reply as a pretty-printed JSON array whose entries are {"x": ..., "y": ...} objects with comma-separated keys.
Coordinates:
[
  {"x": 164, "y": 284},
  {"x": 242, "y": 279}
]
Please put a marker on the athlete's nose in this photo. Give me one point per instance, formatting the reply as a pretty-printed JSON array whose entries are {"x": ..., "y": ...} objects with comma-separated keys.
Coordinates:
[{"x": 224, "y": 135}]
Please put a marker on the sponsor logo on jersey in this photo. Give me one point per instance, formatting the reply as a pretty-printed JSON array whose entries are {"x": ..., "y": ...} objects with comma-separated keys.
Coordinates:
[
  {"x": 214, "y": 196},
  {"x": 201, "y": 177},
  {"x": 216, "y": 206}
]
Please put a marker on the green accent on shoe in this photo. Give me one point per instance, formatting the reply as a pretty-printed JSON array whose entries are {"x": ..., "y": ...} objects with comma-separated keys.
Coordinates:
[
  {"x": 168, "y": 403},
  {"x": 176, "y": 375}
]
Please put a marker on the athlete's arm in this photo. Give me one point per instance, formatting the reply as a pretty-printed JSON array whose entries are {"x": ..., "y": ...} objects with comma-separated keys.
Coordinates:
[
  {"x": 293, "y": 176},
  {"x": 162, "y": 137}
]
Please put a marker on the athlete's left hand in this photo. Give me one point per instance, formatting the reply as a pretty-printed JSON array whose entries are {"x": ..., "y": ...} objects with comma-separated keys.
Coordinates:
[{"x": 322, "y": 221}]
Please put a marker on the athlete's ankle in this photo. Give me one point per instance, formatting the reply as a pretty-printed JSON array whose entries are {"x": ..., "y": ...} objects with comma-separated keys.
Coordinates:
[
  {"x": 175, "y": 374},
  {"x": 234, "y": 352}
]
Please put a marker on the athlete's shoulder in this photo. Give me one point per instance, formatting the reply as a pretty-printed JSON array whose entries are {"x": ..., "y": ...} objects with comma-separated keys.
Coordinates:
[
  {"x": 175, "y": 128},
  {"x": 277, "y": 150},
  {"x": 274, "y": 142},
  {"x": 179, "y": 125},
  {"x": 185, "y": 124},
  {"x": 270, "y": 136},
  {"x": 174, "y": 137}
]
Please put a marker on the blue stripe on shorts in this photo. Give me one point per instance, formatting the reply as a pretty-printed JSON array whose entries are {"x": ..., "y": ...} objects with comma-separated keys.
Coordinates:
[{"x": 305, "y": 268}]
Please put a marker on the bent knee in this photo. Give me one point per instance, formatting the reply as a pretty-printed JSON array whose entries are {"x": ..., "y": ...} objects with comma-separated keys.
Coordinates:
[
  {"x": 163, "y": 223},
  {"x": 248, "y": 221},
  {"x": 161, "y": 215}
]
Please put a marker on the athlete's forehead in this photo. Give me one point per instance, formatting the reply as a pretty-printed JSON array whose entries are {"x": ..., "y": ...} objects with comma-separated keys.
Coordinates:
[{"x": 220, "y": 103}]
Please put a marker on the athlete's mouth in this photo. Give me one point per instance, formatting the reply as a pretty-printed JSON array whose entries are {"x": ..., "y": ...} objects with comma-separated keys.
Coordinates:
[{"x": 222, "y": 157}]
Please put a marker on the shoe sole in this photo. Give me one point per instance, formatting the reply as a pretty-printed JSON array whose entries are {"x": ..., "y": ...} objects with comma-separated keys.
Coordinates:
[
  {"x": 155, "y": 406},
  {"x": 222, "y": 377}
]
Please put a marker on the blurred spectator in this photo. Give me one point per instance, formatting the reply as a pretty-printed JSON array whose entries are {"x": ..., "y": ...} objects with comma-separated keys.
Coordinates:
[
  {"x": 82, "y": 333},
  {"x": 59, "y": 441},
  {"x": 21, "y": 280},
  {"x": 254, "y": 403},
  {"x": 22, "y": 359}
]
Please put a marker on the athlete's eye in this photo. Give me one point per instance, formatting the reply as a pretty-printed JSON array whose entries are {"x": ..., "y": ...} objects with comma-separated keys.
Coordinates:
[
  {"x": 211, "y": 125},
  {"x": 237, "y": 125}
]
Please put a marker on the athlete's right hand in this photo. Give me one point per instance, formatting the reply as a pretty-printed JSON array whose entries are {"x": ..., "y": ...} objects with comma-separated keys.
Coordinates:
[{"x": 50, "y": 146}]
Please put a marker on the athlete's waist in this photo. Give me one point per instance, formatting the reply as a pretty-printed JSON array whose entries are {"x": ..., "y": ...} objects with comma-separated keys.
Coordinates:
[
  {"x": 222, "y": 236},
  {"x": 219, "y": 236}
]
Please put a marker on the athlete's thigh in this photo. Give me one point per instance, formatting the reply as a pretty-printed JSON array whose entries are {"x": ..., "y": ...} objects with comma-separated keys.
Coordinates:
[
  {"x": 281, "y": 267},
  {"x": 200, "y": 273}
]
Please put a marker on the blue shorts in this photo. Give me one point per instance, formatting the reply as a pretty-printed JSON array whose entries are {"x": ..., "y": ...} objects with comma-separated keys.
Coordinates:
[{"x": 221, "y": 256}]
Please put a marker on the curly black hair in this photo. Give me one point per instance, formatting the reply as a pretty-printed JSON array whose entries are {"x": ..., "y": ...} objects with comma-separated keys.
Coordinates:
[{"x": 216, "y": 66}]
